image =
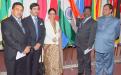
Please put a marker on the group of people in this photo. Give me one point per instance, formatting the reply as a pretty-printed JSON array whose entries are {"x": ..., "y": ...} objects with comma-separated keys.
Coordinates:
[
  {"x": 27, "y": 37},
  {"x": 31, "y": 35},
  {"x": 100, "y": 36}
]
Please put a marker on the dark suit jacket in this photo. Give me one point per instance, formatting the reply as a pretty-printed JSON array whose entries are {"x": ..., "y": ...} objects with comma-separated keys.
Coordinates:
[
  {"x": 86, "y": 33},
  {"x": 13, "y": 37},
  {"x": 41, "y": 28}
]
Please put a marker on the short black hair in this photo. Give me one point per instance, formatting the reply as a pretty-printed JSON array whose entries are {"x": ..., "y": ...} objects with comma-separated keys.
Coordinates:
[
  {"x": 33, "y": 5},
  {"x": 17, "y": 3},
  {"x": 110, "y": 6},
  {"x": 88, "y": 7},
  {"x": 51, "y": 9}
]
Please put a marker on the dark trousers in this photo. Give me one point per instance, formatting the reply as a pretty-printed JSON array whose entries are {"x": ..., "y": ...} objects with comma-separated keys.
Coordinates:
[
  {"x": 84, "y": 62},
  {"x": 33, "y": 62},
  {"x": 21, "y": 66},
  {"x": 10, "y": 66},
  {"x": 16, "y": 67}
]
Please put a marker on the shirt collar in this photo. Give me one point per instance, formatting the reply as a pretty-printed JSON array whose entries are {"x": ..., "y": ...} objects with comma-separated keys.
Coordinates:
[
  {"x": 88, "y": 17},
  {"x": 33, "y": 17},
  {"x": 17, "y": 19}
]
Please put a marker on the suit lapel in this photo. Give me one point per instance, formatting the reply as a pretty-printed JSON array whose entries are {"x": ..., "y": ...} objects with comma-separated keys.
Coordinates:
[
  {"x": 88, "y": 20},
  {"x": 15, "y": 23},
  {"x": 86, "y": 23}
]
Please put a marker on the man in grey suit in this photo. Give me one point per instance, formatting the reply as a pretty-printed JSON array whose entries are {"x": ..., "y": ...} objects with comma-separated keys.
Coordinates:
[
  {"x": 15, "y": 38},
  {"x": 84, "y": 39}
]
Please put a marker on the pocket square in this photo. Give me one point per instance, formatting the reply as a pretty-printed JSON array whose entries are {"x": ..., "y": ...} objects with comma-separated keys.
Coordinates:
[{"x": 41, "y": 23}]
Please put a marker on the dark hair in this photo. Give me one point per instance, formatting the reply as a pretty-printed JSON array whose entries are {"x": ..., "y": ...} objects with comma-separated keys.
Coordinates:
[
  {"x": 51, "y": 9},
  {"x": 17, "y": 3},
  {"x": 87, "y": 7},
  {"x": 110, "y": 6},
  {"x": 33, "y": 5}
]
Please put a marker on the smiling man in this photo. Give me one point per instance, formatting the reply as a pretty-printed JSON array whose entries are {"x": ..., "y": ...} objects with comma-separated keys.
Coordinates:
[
  {"x": 36, "y": 29},
  {"x": 108, "y": 29},
  {"x": 15, "y": 38}
]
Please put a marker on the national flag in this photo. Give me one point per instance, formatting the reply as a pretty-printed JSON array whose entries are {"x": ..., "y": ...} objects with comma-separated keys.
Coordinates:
[
  {"x": 3, "y": 15},
  {"x": 43, "y": 8},
  {"x": 80, "y": 5},
  {"x": 115, "y": 3},
  {"x": 65, "y": 16},
  {"x": 94, "y": 9},
  {"x": 98, "y": 8},
  {"x": 87, "y": 2},
  {"x": 54, "y": 4},
  {"x": 74, "y": 8},
  {"x": 118, "y": 9}
]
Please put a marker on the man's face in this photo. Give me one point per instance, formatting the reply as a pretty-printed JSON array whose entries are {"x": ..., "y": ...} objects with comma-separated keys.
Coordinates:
[
  {"x": 106, "y": 11},
  {"x": 87, "y": 12},
  {"x": 17, "y": 11},
  {"x": 34, "y": 11}
]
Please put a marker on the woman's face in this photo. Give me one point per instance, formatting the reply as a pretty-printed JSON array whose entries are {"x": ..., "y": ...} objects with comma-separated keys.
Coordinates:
[{"x": 52, "y": 15}]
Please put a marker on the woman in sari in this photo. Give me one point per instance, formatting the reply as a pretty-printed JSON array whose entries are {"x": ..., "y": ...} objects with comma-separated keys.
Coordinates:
[{"x": 52, "y": 48}]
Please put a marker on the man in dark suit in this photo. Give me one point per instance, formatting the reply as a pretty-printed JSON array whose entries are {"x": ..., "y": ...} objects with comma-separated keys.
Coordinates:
[
  {"x": 15, "y": 40},
  {"x": 84, "y": 40},
  {"x": 37, "y": 35}
]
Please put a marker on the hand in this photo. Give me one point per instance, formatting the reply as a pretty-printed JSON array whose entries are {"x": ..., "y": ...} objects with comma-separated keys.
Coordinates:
[
  {"x": 27, "y": 50},
  {"x": 37, "y": 46}
]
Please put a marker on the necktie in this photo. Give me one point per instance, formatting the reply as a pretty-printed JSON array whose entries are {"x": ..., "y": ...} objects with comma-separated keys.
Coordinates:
[
  {"x": 20, "y": 24},
  {"x": 36, "y": 27},
  {"x": 82, "y": 23}
]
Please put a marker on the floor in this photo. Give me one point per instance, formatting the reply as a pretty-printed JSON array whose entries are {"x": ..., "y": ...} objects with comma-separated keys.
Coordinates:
[{"x": 70, "y": 63}]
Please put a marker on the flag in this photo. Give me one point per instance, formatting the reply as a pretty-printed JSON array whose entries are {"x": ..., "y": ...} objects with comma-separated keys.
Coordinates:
[
  {"x": 94, "y": 9},
  {"x": 3, "y": 10},
  {"x": 65, "y": 16},
  {"x": 120, "y": 6},
  {"x": 74, "y": 14},
  {"x": 115, "y": 3},
  {"x": 43, "y": 8},
  {"x": 98, "y": 8},
  {"x": 110, "y": 1},
  {"x": 54, "y": 4},
  {"x": 87, "y": 2},
  {"x": 80, "y": 5},
  {"x": 3, "y": 15},
  {"x": 74, "y": 8},
  {"x": 118, "y": 9}
]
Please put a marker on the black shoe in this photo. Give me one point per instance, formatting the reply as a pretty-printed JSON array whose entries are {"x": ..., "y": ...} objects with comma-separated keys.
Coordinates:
[{"x": 80, "y": 73}]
